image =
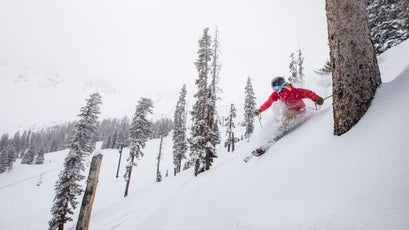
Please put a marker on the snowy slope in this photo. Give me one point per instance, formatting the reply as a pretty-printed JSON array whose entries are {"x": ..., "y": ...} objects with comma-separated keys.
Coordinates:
[
  {"x": 356, "y": 181},
  {"x": 310, "y": 179}
]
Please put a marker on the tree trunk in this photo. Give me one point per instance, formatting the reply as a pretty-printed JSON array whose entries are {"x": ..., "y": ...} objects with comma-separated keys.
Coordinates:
[
  {"x": 158, "y": 176},
  {"x": 207, "y": 160},
  {"x": 88, "y": 200},
  {"x": 232, "y": 142},
  {"x": 197, "y": 165},
  {"x": 129, "y": 177},
  {"x": 355, "y": 69}
]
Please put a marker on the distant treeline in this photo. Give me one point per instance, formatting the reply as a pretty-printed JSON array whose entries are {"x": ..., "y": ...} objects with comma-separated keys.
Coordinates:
[{"x": 31, "y": 145}]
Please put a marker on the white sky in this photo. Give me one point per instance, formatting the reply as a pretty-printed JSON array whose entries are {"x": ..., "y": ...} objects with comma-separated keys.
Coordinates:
[{"x": 152, "y": 44}]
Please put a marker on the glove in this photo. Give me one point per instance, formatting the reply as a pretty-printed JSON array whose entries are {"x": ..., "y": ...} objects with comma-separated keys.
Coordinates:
[
  {"x": 319, "y": 101},
  {"x": 257, "y": 112}
]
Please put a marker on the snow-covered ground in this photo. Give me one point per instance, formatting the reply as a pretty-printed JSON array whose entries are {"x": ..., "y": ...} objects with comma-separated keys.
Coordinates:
[{"x": 310, "y": 179}]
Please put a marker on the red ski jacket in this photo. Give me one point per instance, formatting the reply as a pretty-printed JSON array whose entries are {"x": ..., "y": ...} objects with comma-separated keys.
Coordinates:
[{"x": 291, "y": 96}]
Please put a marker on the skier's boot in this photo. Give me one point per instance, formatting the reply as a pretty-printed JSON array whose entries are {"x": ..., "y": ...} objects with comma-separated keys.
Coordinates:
[{"x": 260, "y": 151}]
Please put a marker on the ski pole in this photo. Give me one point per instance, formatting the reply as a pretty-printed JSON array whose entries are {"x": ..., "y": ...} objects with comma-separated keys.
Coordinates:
[
  {"x": 327, "y": 97},
  {"x": 259, "y": 120}
]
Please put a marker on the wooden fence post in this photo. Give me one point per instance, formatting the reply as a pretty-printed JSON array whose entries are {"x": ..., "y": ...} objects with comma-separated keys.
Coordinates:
[{"x": 88, "y": 199}]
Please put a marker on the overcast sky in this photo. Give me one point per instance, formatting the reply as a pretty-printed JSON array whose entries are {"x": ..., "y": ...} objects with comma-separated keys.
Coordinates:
[{"x": 152, "y": 44}]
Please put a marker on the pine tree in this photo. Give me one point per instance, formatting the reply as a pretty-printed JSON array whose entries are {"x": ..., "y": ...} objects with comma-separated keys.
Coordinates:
[
  {"x": 389, "y": 23},
  {"x": 249, "y": 108},
  {"x": 179, "y": 132},
  {"x": 30, "y": 154},
  {"x": 3, "y": 161},
  {"x": 67, "y": 187},
  {"x": 200, "y": 146},
  {"x": 39, "y": 160},
  {"x": 356, "y": 73},
  {"x": 300, "y": 70},
  {"x": 123, "y": 132},
  {"x": 296, "y": 69},
  {"x": 140, "y": 130},
  {"x": 327, "y": 69},
  {"x": 293, "y": 69},
  {"x": 214, "y": 135},
  {"x": 230, "y": 127},
  {"x": 4, "y": 141}
]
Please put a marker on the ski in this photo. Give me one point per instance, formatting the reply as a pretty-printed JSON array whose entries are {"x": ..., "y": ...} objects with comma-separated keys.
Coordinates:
[
  {"x": 264, "y": 148},
  {"x": 283, "y": 131}
]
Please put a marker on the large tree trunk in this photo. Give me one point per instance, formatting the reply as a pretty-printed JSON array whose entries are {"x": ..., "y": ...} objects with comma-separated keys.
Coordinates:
[
  {"x": 89, "y": 195},
  {"x": 355, "y": 69}
]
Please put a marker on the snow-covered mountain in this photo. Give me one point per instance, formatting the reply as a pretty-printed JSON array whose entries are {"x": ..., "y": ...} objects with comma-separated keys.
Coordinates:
[
  {"x": 310, "y": 179},
  {"x": 33, "y": 98}
]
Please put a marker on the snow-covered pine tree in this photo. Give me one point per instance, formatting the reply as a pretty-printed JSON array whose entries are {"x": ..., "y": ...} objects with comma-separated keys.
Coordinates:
[
  {"x": 2, "y": 161},
  {"x": 214, "y": 135},
  {"x": 67, "y": 187},
  {"x": 123, "y": 133},
  {"x": 179, "y": 131},
  {"x": 140, "y": 130},
  {"x": 4, "y": 141},
  {"x": 30, "y": 154},
  {"x": 249, "y": 107},
  {"x": 16, "y": 141},
  {"x": 10, "y": 155},
  {"x": 296, "y": 72},
  {"x": 230, "y": 127},
  {"x": 39, "y": 159},
  {"x": 326, "y": 70},
  {"x": 293, "y": 69},
  {"x": 389, "y": 23},
  {"x": 199, "y": 139},
  {"x": 300, "y": 68}
]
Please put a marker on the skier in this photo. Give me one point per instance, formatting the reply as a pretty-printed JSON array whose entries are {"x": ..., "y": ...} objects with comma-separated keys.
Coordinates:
[{"x": 292, "y": 98}]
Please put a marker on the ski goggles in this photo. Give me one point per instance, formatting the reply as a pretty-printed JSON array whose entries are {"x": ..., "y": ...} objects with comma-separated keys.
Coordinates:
[{"x": 278, "y": 87}]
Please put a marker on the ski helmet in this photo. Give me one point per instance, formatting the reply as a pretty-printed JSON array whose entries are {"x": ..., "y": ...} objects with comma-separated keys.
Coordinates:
[{"x": 277, "y": 83}]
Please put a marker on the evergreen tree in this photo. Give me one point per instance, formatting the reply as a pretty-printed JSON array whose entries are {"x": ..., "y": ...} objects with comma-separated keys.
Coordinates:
[
  {"x": 39, "y": 160},
  {"x": 140, "y": 130},
  {"x": 389, "y": 22},
  {"x": 29, "y": 156},
  {"x": 123, "y": 133},
  {"x": 296, "y": 69},
  {"x": 67, "y": 187},
  {"x": 4, "y": 141},
  {"x": 10, "y": 153},
  {"x": 300, "y": 70},
  {"x": 249, "y": 108},
  {"x": 25, "y": 142},
  {"x": 200, "y": 146},
  {"x": 3, "y": 161},
  {"x": 214, "y": 135},
  {"x": 327, "y": 69},
  {"x": 293, "y": 69},
  {"x": 230, "y": 127},
  {"x": 179, "y": 132}
]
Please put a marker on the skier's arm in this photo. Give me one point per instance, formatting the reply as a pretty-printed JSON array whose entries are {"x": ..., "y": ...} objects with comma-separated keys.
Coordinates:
[
  {"x": 313, "y": 96},
  {"x": 271, "y": 99}
]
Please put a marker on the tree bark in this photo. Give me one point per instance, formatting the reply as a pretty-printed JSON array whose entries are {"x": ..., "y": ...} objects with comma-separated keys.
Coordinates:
[
  {"x": 129, "y": 177},
  {"x": 355, "y": 73},
  {"x": 158, "y": 179},
  {"x": 89, "y": 195}
]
